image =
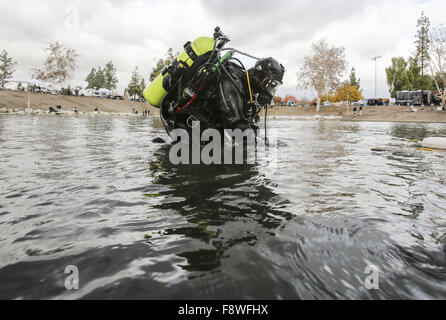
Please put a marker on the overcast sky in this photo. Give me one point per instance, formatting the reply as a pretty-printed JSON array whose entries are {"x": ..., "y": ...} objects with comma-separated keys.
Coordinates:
[{"x": 136, "y": 32}]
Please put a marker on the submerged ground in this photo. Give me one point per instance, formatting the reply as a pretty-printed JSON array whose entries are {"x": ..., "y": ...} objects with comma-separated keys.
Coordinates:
[{"x": 96, "y": 193}]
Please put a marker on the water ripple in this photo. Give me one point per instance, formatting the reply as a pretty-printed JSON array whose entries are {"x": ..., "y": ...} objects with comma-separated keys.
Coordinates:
[{"x": 96, "y": 193}]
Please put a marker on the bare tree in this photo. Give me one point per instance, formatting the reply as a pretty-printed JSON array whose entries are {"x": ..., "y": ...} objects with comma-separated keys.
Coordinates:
[
  {"x": 60, "y": 64},
  {"x": 161, "y": 63},
  {"x": 323, "y": 69},
  {"x": 437, "y": 60}
]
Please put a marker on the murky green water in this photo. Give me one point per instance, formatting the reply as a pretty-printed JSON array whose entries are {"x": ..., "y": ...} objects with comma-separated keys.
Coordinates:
[{"x": 98, "y": 194}]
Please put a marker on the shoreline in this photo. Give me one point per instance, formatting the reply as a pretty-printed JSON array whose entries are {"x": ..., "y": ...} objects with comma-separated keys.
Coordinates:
[
  {"x": 14, "y": 103},
  {"x": 285, "y": 118},
  {"x": 397, "y": 114},
  {"x": 38, "y": 112},
  {"x": 294, "y": 118},
  {"x": 40, "y": 102}
]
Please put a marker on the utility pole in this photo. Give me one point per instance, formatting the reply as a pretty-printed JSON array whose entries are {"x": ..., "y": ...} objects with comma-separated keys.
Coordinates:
[{"x": 376, "y": 74}]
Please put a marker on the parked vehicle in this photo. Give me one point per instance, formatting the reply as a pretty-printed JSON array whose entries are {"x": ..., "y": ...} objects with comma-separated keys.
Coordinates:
[
  {"x": 375, "y": 102},
  {"x": 437, "y": 98},
  {"x": 137, "y": 99},
  {"x": 413, "y": 98}
]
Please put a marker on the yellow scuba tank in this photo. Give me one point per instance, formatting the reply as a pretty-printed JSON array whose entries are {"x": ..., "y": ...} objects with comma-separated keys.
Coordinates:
[{"x": 158, "y": 90}]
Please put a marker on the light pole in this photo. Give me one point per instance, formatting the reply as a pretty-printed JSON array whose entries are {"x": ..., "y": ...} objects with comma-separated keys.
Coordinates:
[{"x": 376, "y": 74}]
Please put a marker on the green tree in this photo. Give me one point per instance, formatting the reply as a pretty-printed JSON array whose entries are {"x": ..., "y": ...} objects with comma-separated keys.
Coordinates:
[
  {"x": 414, "y": 74},
  {"x": 439, "y": 79},
  {"x": 7, "y": 67},
  {"x": 418, "y": 80},
  {"x": 99, "y": 79},
  {"x": 134, "y": 87},
  {"x": 103, "y": 77},
  {"x": 353, "y": 80},
  {"x": 398, "y": 76},
  {"x": 422, "y": 43},
  {"x": 111, "y": 81},
  {"x": 161, "y": 63},
  {"x": 142, "y": 87},
  {"x": 91, "y": 78}
]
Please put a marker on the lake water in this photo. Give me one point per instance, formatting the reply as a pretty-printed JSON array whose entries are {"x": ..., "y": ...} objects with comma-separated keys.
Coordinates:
[{"x": 96, "y": 193}]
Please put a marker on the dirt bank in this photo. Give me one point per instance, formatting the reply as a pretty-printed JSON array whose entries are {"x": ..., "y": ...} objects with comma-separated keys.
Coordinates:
[
  {"x": 39, "y": 101},
  {"x": 381, "y": 114},
  {"x": 18, "y": 100}
]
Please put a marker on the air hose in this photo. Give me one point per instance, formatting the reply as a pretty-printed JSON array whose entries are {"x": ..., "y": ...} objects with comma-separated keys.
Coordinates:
[{"x": 266, "y": 128}]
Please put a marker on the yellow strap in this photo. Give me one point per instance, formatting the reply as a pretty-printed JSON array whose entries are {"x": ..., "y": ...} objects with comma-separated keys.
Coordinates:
[
  {"x": 249, "y": 86},
  {"x": 425, "y": 149}
]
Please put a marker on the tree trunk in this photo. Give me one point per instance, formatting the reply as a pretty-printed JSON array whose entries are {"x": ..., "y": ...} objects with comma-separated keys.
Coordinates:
[
  {"x": 443, "y": 96},
  {"x": 318, "y": 108}
]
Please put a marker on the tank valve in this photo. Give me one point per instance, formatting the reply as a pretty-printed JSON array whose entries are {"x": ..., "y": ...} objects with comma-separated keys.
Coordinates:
[{"x": 188, "y": 93}]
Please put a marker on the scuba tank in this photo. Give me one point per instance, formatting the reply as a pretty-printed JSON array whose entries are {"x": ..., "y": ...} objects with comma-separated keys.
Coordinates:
[{"x": 160, "y": 87}]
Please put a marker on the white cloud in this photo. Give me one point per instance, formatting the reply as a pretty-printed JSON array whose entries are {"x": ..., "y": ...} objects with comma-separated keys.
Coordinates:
[{"x": 134, "y": 33}]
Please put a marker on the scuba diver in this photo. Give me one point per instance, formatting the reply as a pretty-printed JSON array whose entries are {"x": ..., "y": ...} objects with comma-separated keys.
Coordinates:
[{"x": 205, "y": 85}]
